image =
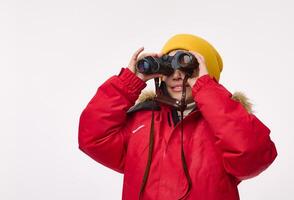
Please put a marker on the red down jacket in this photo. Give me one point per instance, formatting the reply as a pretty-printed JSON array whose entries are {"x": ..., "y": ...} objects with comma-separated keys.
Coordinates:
[{"x": 223, "y": 143}]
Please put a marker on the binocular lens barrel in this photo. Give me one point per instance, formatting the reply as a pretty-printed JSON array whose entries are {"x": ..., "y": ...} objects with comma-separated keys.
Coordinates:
[
  {"x": 148, "y": 65},
  {"x": 184, "y": 60},
  {"x": 143, "y": 66}
]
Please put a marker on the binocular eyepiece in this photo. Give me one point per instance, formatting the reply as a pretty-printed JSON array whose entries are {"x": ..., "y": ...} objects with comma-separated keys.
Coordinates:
[{"x": 166, "y": 65}]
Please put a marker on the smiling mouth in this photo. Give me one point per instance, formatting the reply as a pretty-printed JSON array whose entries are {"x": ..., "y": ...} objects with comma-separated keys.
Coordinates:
[{"x": 178, "y": 88}]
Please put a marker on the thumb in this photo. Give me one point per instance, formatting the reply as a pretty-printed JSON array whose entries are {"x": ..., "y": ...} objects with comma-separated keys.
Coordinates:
[
  {"x": 146, "y": 77},
  {"x": 133, "y": 61}
]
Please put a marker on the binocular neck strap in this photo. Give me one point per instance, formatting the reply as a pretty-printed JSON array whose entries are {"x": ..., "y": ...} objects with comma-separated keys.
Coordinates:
[
  {"x": 183, "y": 99},
  {"x": 180, "y": 105}
]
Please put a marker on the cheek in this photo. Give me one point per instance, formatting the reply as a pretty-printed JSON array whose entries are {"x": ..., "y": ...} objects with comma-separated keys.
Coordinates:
[
  {"x": 173, "y": 94},
  {"x": 165, "y": 79},
  {"x": 167, "y": 82}
]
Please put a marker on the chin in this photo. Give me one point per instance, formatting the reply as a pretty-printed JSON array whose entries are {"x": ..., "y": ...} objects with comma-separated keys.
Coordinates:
[{"x": 178, "y": 95}]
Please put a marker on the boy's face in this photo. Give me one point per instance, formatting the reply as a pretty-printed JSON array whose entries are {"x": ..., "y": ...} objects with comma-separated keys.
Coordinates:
[{"x": 174, "y": 84}]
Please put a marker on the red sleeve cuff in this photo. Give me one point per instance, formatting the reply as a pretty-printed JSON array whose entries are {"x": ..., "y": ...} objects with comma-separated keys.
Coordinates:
[
  {"x": 202, "y": 81},
  {"x": 133, "y": 84}
]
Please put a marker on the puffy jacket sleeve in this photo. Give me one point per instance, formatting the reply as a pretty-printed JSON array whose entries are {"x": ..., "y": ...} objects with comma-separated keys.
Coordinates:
[
  {"x": 242, "y": 138},
  {"x": 102, "y": 129}
]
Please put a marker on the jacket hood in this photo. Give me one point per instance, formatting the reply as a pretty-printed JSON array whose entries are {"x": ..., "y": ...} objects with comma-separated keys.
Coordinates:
[{"x": 148, "y": 95}]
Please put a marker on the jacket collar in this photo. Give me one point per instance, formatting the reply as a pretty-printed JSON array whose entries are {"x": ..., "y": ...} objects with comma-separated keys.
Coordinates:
[{"x": 148, "y": 95}]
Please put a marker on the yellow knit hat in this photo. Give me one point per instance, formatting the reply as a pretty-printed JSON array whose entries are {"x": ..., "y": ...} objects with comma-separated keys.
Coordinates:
[{"x": 194, "y": 43}]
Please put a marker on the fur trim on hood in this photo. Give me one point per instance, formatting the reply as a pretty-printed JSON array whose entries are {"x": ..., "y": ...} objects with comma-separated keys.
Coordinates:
[{"x": 237, "y": 96}]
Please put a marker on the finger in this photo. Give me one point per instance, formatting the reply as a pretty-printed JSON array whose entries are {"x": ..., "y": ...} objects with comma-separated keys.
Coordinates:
[
  {"x": 159, "y": 76},
  {"x": 133, "y": 60},
  {"x": 143, "y": 55},
  {"x": 160, "y": 54},
  {"x": 153, "y": 76},
  {"x": 197, "y": 55},
  {"x": 136, "y": 54},
  {"x": 156, "y": 75}
]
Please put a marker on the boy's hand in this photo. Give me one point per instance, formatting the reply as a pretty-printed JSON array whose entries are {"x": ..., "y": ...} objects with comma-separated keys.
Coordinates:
[
  {"x": 198, "y": 73},
  {"x": 134, "y": 60}
]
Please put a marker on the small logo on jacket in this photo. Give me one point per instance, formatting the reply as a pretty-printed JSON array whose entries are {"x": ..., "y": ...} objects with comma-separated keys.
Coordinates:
[{"x": 134, "y": 131}]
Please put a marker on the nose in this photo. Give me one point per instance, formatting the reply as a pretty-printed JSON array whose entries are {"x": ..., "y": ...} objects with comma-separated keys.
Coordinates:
[{"x": 177, "y": 75}]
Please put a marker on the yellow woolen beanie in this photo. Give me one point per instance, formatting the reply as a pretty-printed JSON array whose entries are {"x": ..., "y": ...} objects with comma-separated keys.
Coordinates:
[{"x": 190, "y": 42}]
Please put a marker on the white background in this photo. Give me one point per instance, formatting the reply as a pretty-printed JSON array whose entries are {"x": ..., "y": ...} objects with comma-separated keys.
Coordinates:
[{"x": 55, "y": 54}]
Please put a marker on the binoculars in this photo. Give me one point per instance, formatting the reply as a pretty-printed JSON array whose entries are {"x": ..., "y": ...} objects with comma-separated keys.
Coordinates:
[{"x": 166, "y": 65}]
